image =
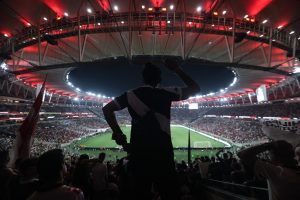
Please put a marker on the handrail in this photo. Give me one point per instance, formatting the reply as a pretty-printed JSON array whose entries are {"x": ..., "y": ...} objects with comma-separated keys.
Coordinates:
[
  {"x": 239, "y": 185},
  {"x": 235, "y": 191},
  {"x": 167, "y": 22}
]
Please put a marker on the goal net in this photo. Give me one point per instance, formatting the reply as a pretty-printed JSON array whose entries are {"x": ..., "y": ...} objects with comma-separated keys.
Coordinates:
[{"x": 202, "y": 144}]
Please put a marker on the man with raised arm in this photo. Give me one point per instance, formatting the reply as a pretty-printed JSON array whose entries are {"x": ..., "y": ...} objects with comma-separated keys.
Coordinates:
[
  {"x": 281, "y": 172},
  {"x": 150, "y": 148}
]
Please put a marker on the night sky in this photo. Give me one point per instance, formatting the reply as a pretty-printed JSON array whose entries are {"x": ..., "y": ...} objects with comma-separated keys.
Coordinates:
[{"x": 112, "y": 79}]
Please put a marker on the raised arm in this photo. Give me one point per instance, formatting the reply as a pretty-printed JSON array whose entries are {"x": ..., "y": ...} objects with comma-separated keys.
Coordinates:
[
  {"x": 192, "y": 87},
  {"x": 248, "y": 156}
]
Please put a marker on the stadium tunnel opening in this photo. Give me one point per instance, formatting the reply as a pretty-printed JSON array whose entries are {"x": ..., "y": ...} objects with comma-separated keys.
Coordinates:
[{"x": 112, "y": 76}]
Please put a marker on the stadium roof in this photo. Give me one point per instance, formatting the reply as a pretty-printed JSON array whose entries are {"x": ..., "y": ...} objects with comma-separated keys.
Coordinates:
[{"x": 258, "y": 39}]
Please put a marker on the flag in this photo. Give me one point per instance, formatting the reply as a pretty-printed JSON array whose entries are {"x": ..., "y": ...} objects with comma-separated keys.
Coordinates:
[
  {"x": 104, "y": 4},
  {"x": 189, "y": 148},
  {"x": 23, "y": 139}
]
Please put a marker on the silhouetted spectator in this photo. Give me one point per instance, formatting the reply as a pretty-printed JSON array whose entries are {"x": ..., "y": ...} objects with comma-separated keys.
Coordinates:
[
  {"x": 282, "y": 173},
  {"x": 99, "y": 177},
  {"x": 151, "y": 150},
  {"x": 225, "y": 164},
  {"x": 81, "y": 176},
  {"x": 51, "y": 168},
  {"x": 26, "y": 182},
  {"x": 6, "y": 174}
]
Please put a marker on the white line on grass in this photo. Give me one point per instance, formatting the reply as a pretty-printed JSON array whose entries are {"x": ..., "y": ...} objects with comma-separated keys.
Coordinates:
[
  {"x": 206, "y": 135},
  {"x": 209, "y": 136}
]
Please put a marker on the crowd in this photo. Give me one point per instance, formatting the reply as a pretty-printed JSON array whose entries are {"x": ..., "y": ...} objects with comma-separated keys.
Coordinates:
[
  {"x": 60, "y": 131},
  {"x": 183, "y": 115},
  {"x": 99, "y": 179},
  {"x": 25, "y": 107},
  {"x": 83, "y": 178},
  {"x": 95, "y": 178},
  {"x": 282, "y": 109},
  {"x": 236, "y": 130}
]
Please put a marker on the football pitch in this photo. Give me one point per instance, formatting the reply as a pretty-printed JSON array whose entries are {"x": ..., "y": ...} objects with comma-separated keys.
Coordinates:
[{"x": 179, "y": 135}]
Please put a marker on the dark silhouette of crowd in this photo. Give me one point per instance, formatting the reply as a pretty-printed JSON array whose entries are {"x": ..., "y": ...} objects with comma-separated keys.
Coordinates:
[{"x": 54, "y": 175}]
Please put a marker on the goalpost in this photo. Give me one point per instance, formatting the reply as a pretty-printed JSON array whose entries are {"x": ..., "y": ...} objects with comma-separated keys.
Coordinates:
[{"x": 202, "y": 144}]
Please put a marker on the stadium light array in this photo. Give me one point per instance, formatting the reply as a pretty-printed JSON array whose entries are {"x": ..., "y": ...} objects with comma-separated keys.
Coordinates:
[
  {"x": 66, "y": 14},
  {"x": 296, "y": 70},
  {"x": 265, "y": 21},
  {"x": 280, "y": 26},
  {"x": 171, "y": 7},
  {"x": 298, "y": 38},
  {"x": 221, "y": 90},
  {"x": 45, "y": 19},
  {"x": 116, "y": 8},
  {"x": 89, "y": 10},
  {"x": 224, "y": 99},
  {"x": 199, "y": 8},
  {"x": 4, "y": 66},
  {"x": 246, "y": 16},
  {"x": 224, "y": 12},
  {"x": 292, "y": 32},
  {"x": 143, "y": 7},
  {"x": 234, "y": 82}
]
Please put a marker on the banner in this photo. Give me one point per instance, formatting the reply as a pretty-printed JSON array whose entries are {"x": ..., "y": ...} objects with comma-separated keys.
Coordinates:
[
  {"x": 23, "y": 139},
  {"x": 282, "y": 130}
]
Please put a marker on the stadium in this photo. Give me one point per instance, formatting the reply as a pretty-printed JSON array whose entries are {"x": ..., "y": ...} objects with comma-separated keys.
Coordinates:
[{"x": 63, "y": 62}]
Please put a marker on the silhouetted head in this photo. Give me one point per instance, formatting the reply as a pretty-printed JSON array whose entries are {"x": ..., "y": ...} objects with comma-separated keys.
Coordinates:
[
  {"x": 213, "y": 159},
  {"x": 151, "y": 75},
  {"x": 101, "y": 157},
  {"x": 83, "y": 157},
  {"x": 28, "y": 167},
  {"x": 282, "y": 153},
  {"x": 51, "y": 165},
  {"x": 225, "y": 156}
]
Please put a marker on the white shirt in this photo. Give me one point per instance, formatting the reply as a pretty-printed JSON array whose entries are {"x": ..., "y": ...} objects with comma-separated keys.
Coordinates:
[{"x": 283, "y": 183}]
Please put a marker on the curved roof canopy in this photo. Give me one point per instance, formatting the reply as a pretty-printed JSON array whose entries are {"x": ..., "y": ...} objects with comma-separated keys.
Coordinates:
[{"x": 259, "y": 39}]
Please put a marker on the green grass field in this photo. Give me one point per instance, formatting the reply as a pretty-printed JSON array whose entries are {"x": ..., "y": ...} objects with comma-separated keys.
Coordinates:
[{"x": 179, "y": 138}]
